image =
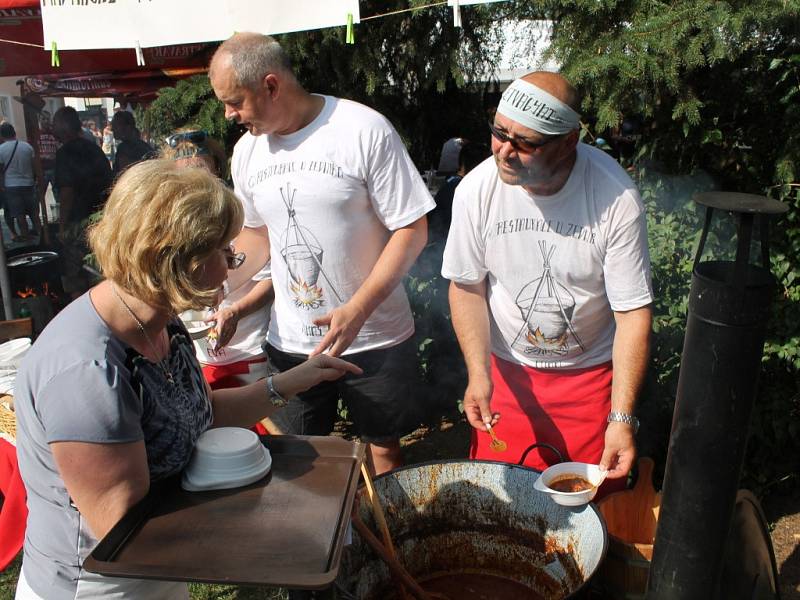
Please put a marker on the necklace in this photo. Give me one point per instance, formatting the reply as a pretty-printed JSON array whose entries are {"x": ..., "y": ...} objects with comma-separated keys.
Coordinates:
[{"x": 161, "y": 363}]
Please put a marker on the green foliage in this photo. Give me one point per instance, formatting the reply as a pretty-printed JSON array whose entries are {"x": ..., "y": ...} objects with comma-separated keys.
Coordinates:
[
  {"x": 441, "y": 363},
  {"x": 411, "y": 67},
  {"x": 191, "y": 103}
]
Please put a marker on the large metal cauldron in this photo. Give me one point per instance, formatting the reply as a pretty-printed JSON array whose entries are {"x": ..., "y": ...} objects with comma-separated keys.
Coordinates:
[{"x": 482, "y": 519}]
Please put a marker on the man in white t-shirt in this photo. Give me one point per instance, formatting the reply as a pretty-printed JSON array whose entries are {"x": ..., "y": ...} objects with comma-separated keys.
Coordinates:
[
  {"x": 550, "y": 287},
  {"x": 329, "y": 183}
]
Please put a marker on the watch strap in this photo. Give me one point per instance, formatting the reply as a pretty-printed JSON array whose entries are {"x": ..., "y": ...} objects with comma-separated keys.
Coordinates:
[{"x": 621, "y": 417}]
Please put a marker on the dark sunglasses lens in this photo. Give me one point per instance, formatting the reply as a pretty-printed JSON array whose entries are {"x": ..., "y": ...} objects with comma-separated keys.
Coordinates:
[
  {"x": 517, "y": 143},
  {"x": 503, "y": 138}
]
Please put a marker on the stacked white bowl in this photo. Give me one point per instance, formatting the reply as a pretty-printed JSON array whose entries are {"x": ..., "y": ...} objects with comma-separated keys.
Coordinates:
[{"x": 224, "y": 458}]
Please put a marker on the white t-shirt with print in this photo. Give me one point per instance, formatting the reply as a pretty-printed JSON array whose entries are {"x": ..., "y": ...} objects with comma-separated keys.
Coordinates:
[
  {"x": 330, "y": 195},
  {"x": 557, "y": 265}
]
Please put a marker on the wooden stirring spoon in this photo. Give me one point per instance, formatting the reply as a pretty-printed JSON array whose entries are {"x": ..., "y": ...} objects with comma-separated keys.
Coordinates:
[{"x": 395, "y": 567}]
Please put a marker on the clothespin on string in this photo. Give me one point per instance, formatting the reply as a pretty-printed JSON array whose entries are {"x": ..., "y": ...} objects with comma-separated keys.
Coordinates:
[
  {"x": 350, "y": 37},
  {"x": 139, "y": 54},
  {"x": 456, "y": 14},
  {"x": 55, "y": 61}
]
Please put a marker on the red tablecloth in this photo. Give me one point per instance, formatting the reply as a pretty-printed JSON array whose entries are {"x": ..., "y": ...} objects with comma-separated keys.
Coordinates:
[{"x": 14, "y": 512}]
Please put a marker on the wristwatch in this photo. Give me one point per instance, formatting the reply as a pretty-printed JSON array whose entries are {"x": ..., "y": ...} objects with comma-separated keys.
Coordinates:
[
  {"x": 277, "y": 400},
  {"x": 623, "y": 418}
]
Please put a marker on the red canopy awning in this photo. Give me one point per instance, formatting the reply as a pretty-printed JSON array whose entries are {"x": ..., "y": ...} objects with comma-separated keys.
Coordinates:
[{"x": 88, "y": 73}]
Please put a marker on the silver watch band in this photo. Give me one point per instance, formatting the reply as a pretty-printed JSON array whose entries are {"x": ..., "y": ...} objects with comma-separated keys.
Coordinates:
[{"x": 624, "y": 418}]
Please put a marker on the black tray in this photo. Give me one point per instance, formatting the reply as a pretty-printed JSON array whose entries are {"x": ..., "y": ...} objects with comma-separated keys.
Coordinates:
[{"x": 285, "y": 530}]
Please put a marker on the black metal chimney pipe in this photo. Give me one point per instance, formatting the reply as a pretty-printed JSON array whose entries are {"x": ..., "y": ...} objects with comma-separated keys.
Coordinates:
[{"x": 725, "y": 328}]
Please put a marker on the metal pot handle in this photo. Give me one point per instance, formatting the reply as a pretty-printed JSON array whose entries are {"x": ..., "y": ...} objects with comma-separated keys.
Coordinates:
[{"x": 540, "y": 445}]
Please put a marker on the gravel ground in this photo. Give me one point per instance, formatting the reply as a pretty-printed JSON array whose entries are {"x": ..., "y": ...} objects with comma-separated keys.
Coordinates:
[{"x": 782, "y": 512}]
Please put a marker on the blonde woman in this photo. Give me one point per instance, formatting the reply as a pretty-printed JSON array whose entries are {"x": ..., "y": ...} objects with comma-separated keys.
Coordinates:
[
  {"x": 111, "y": 397},
  {"x": 232, "y": 355}
]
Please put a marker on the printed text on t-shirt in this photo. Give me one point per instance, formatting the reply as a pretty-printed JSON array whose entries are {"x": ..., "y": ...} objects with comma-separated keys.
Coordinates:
[
  {"x": 323, "y": 167},
  {"x": 578, "y": 232}
]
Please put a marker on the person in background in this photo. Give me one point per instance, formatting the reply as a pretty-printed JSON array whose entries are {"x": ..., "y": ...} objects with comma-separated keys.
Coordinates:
[
  {"x": 110, "y": 399},
  {"x": 86, "y": 132},
  {"x": 96, "y": 133},
  {"x": 470, "y": 155},
  {"x": 329, "y": 189},
  {"x": 20, "y": 174},
  {"x": 131, "y": 148},
  {"x": 109, "y": 146},
  {"x": 83, "y": 178},
  {"x": 550, "y": 293},
  {"x": 48, "y": 146},
  {"x": 232, "y": 354},
  {"x": 6, "y": 216}
]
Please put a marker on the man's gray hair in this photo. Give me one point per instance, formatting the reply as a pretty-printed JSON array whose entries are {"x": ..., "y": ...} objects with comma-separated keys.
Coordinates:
[{"x": 253, "y": 56}]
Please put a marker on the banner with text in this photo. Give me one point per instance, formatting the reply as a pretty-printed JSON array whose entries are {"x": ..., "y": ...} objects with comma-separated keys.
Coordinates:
[{"x": 95, "y": 24}]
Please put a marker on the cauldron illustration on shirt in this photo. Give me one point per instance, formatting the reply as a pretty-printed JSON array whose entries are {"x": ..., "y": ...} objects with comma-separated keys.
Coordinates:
[
  {"x": 546, "y": 307},
  {"x": 302, "y": 253}
]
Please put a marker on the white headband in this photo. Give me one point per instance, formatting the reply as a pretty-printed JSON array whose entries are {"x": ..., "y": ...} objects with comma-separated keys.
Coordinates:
[{"x": 535, "y": 109}]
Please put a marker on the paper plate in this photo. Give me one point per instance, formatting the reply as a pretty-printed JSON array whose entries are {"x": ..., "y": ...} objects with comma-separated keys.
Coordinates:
[{"x": 194, "y": 321}]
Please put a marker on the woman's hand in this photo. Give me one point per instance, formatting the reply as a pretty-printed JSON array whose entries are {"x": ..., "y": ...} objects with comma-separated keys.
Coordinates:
[{"x": 315, "y": 370}]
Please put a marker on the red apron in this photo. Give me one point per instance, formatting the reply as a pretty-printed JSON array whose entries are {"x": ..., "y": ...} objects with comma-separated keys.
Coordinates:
[{"x": 566, "y": 408}]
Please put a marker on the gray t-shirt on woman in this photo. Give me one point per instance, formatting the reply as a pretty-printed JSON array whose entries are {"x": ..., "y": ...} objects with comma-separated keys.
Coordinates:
[{"x": 80, "y": 383}]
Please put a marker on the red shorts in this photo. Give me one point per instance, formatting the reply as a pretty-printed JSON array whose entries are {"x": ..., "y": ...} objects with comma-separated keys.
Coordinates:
[
  {"x": 564, "y": 408},
  {"x": 233, "y": 375}
]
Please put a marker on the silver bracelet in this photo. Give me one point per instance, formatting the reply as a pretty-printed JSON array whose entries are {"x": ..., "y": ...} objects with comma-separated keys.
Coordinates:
[
  {"x": 620, "y": 417},
  {"x": 274, "y": 396}
]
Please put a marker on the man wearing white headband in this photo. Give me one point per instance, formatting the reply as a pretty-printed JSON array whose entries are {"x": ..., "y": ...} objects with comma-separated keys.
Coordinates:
[{"x": 550, "y": 287}]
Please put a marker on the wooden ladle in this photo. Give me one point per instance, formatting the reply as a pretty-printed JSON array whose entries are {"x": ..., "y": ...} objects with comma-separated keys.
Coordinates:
[{"x": 386, "y": 550}]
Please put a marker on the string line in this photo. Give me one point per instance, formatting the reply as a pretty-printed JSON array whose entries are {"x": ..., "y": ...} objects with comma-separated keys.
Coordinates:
[
  {"x": 397, "y": 12},
  {"x": 40, "y": 46}
]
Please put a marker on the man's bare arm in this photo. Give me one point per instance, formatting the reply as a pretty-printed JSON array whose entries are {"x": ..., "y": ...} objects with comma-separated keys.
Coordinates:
[
  {"x": 470, "y": 315},
  {"x": 630, "y": 354}
]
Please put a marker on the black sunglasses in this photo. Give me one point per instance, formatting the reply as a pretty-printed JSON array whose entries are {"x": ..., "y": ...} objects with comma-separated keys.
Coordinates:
[
  {"x": 233, "y": 258},
  {"x": 195, "y": 137},
  {"x": 520, "y": 144}
]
